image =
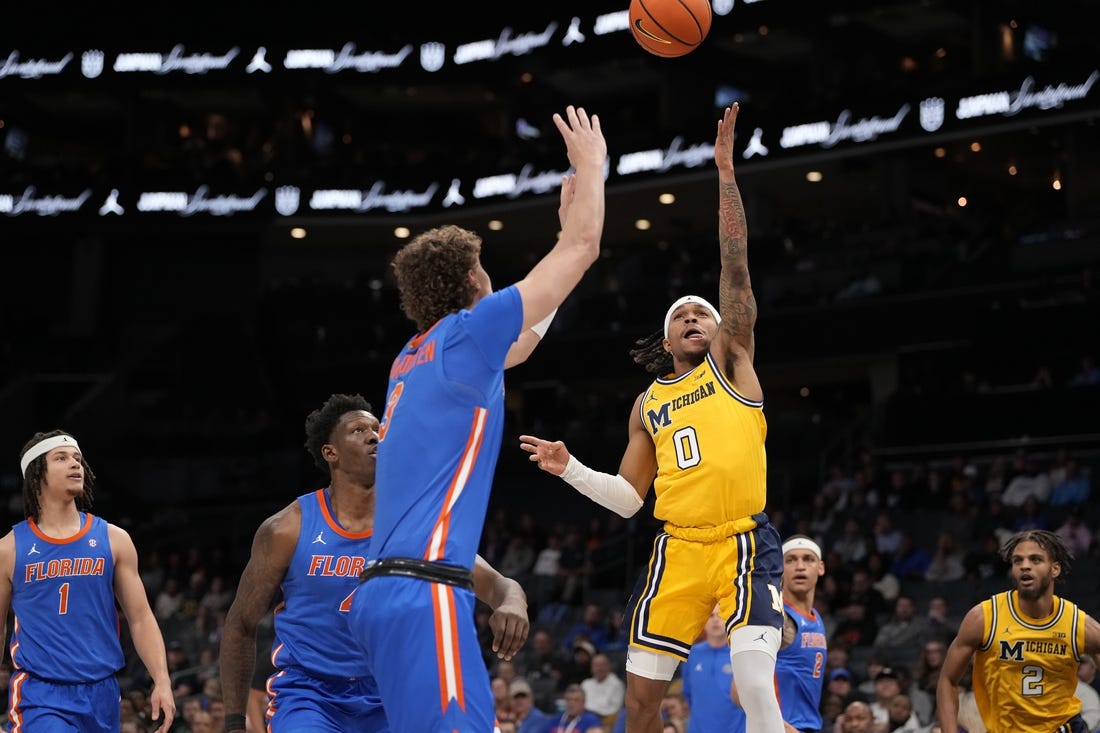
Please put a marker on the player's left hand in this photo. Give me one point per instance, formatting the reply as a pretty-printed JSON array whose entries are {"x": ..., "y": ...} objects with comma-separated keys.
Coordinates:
[
  {"x": 509, "y": 624},
  {"x": 163, "y": 705}
]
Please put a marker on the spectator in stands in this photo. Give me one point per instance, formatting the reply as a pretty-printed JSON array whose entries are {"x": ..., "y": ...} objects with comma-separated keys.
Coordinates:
[
  {"x": 580, "y": 668},
  {"x": 1076, "y": 536},
  {"x": 929, "y": 664},
  {"x": 840, "y": 684},
  {"x": 985, "y": 562},
  {"x": 900, "y": 638},
  {"x": 887, "y": 687},
  {"x": 900, "y": 716},
  {"x": 592, "y": 626},
  {"x": 856, "y": 718},
  {"x": 921, "y": 703},
  {"x": 1029, "y": 481},
  {"x": 574, "y": 719},
  {"x": 882, "y": 579},
  {"x": 543, "y": 665},
  {"x": 1073, "y": 489},
  {"x": 947, "y": 563},
  {"x": 887, "y": 536},
  {"x": 604, "y": 691},
  {"x": 851, "y": 546},
  {"x": 858, "y": 612},
  {"x": 675, "y": 710},
  {"x": 911, "y": 561},
  {"x": 1031, "y": 516},
  {"x": 502, "y": 698},
  {"x": 168, "y": 601},
  {"x": 528, "y": 718},
  {"x": 518, "y": 558},
  {"x": 938, "y": 623}
]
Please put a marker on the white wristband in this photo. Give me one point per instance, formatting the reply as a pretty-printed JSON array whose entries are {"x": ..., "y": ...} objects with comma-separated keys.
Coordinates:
[
  {"x": 612, "y": 492},
  {"x": 540, "y": 327}
]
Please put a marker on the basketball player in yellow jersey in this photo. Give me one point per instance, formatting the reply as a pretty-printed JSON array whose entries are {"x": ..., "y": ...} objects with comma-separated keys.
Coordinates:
[
  {"x": 1026, "y": 645},
  {"x": 697, "y": 436}
]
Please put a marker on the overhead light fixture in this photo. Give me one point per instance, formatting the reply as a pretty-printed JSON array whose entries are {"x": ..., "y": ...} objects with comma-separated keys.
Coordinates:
[
  {"x": 975, "y": 147},
  {"x": 401, "y": 232},
  {"x": 495, "y": 225},
  {"x": 298, "y": 233},
  {"x": 667, "y": 198},
  {"x": 1012, "y": 170},
  {"x": 642, "y": 225},
  {"x": 962, "y": 202},
  {"x": 939, "y": 152},
  {"x": 814, "y": 176}
]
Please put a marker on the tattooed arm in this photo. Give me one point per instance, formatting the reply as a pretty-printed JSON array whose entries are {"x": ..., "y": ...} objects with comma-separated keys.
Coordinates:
[
  {"x": 734, "y": 347},
  {"x": 272, "y": 550}
]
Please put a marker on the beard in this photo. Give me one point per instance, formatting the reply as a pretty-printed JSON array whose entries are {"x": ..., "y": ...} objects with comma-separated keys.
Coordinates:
[{"x": 1036, "y": 591}]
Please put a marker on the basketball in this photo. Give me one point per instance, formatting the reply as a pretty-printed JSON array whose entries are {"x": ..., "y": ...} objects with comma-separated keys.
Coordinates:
[{"x": 669, "y": 28}]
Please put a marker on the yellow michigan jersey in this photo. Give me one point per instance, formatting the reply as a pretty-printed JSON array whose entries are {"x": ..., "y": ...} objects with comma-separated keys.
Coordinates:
[
  {"x": 1025, "y": 672},
  {"x": 710, "y": 449}
]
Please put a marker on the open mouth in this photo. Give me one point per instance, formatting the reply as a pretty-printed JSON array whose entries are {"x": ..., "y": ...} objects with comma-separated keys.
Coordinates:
[{"x": 694, "y": 334}]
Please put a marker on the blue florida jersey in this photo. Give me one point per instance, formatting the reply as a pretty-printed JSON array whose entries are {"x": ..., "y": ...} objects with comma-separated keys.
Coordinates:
[
  {"x": 705, "y": 681},
  {"x": 798, "y": 671},
  {"x": 311, "y": 630},
  {"x": 441, "y": 433},
  {"x": 63, "y": 597}
]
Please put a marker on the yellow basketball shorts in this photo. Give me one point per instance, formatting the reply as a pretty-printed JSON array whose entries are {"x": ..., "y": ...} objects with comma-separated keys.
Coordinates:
[{"x": 685, "y": 578}]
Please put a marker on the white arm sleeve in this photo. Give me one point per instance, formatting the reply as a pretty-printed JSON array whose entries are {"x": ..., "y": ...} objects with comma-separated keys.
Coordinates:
[{"x": 612, "y": 492}]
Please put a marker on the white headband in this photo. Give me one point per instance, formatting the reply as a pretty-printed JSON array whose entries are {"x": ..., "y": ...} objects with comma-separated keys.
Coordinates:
[
  {"x": 802, "y": 543},
  {"x": 690, "y": 299},
  {"x": 43, "y": 447}
]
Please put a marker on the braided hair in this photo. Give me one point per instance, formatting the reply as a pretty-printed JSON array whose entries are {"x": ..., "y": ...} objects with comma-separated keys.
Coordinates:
[
  {"x": 1051, "y": 543},
  {"x": 35, "y": 478},
  {"x": 649, "y": 351},
  {"x": 322, "y": 421}
]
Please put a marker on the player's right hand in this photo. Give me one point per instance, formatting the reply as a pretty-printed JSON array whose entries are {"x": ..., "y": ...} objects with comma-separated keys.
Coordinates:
[{"x": 551, "y": 457}]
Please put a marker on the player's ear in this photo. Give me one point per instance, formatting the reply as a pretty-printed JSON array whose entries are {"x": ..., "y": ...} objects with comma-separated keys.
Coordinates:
[
  {"x": 1055, "y": 569},
  {"x": 328, "y": 452},
  {"x": 821, "y": 568},
  {"x": 667, "y": 345}
]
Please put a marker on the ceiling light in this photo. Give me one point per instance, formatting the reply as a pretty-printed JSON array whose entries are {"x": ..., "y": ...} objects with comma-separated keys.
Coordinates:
[
  {"x": 975, "y": 147},
  {"x": 298, "y": 233},
  {"x": 962, "y": 202},
  {"x": 495, "y": 225},
  {"x": 642, "y": 225},
  {"x": 1012, "y": 170},
  {"x": 667, "y": 198},
  {"x": 814, "y": 176},
  {"x": 401, "y": 232},
  {"x": 939, "y": 152}
]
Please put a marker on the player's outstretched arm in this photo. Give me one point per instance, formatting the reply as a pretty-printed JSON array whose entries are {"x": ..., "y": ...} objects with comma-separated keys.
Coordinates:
[
  {"x": 530, "y": 338},
  {"x": 959, "y": 655},
  {"x": 736, "y": 302},
  {"x": 144, "y": 630},
  {"x": 506, "y": 597},
  {"x": 272, "y": 549},
  {"x": 555, "y": 276},
  {"x": 622, "y": 493}
]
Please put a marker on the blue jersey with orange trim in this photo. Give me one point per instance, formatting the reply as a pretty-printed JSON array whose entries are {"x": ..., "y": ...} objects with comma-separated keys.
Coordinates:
[
  {"x": 66, "y": 622},
  {"x": 311, "y": 631},
  {"x": 798, "y": 670},
  {"x": 441, "y": 433}
]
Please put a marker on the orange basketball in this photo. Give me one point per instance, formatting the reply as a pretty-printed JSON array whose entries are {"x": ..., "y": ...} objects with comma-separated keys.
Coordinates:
[{"x": 669, "y": 27}]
